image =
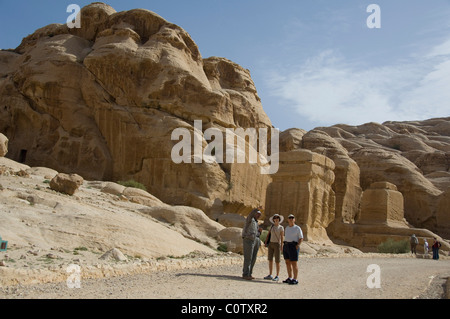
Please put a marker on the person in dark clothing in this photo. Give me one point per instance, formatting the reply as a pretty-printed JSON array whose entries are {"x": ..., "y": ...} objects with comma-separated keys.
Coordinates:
[
  {"x": 435, "y": 248},
  {"x": 251, "y": 241}
]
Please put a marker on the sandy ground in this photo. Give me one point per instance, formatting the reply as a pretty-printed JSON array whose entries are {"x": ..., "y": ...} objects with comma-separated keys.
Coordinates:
[{"x": 401, "y": 277}]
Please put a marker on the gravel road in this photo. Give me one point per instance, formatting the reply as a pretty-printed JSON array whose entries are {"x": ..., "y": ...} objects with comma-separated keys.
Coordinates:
[{"x": 319, "y": 278}]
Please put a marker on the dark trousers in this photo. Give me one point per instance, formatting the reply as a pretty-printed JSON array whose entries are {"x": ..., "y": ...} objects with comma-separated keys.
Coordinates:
[{"x": 435, "y": 253}]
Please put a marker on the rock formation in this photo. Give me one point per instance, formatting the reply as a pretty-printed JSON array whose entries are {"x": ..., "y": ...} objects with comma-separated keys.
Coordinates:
[
  {"x": 382, "y": 218},
  {"x": 66, "y": 183},
  {"x": 302, "y": 187},
  {"x": 413, "y": 156},
  {"x": 103, "y": 100},
  {"x": 382, "y": 204}
]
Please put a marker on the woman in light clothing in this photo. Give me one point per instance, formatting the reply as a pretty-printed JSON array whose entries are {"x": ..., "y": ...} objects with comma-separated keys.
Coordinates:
[{"x": 275, "y": 245}]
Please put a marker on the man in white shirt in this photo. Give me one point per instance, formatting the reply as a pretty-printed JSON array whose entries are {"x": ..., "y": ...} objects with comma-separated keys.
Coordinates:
[{"x": 293, "y": 237}]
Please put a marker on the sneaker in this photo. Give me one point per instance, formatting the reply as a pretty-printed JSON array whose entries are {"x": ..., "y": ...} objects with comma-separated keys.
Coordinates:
[
  {"x": 294, "y": 282},
  {"x": 275, "y": 278},
  {"x": 269, "y": 277},
  {"x": 287, "y": 281}
]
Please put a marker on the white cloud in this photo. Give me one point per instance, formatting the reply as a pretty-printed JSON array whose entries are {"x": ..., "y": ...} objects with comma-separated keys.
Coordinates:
[
  {"x": 439, "y": 50},
  {"x": 329, "y": 90}
]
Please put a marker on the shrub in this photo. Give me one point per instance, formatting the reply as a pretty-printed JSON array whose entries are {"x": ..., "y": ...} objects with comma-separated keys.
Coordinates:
[
  {"x": 263, "y": 236},
  {"x": 391, "y": 246},
  {"x": 222, "y": 247},
  {"x": 132, "y": 183}
]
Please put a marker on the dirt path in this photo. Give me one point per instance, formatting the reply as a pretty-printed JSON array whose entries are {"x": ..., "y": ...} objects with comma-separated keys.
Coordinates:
[{"x": 320, "y": 278}]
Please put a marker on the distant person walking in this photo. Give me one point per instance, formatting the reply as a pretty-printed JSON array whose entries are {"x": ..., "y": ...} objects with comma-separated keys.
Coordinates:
[
  {"x": 251, "y": 242},
  {"x": 413, "y": 241},
  {"x": 274, "y": 241},
  {"x": 425, "y": 247},
  {"x": 435, "y": 248},
  {"x": 293, "y": 237}
]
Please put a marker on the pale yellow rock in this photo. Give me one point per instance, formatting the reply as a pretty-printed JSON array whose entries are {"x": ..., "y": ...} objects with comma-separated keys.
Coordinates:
[
  {"x": 419, "y": 193},
  {"x": 381, "y": 204},
  {"x": 191, "y": 222},
  {"x": 231, "y": 220},
  {"x": 140, "y": 196},
  {"x": 232, "y": 238},
  {"x": 408, "y": 154},
  {"x": 3, "y": 145},
  {"x": 13, "y": 165},
  {"x": 92, "y": 219},
  {"x": 302, "y": 187},
  {"x": 347, "y": 173},
  {"x": 443, "y": 212},
  {"x": 112, "y": 188},
  {"x": 291, "y": 139},
  {"x": 46, "y": 173},
  {"x": 134, "y": 78}
]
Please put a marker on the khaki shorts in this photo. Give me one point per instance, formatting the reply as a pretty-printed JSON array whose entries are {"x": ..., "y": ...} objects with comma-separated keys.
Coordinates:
[{"x": 274, "y": 250}]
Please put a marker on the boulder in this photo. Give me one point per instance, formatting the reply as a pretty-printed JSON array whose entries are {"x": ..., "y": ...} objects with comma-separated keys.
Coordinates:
[
  {"x": 137, "y": 195},
  {"x": 232, "y": 238},
  {"x": 231, "y": 220},
  {"x": 66, "y": 183},
  {"x": 112, "y": 188},
  {"x": 191, "y": 222},
  {"x": 114, "y": 254}
]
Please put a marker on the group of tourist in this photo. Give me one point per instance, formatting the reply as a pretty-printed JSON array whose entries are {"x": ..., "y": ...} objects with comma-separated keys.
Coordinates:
[
  {"x": 279, "y": 240},
  {"x": 287, "y": 241},
  {"x": 414, "y": 241}
]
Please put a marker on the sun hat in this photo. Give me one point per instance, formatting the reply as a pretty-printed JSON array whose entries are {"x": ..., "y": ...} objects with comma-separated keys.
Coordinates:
[{"x": 276, "y": 215}]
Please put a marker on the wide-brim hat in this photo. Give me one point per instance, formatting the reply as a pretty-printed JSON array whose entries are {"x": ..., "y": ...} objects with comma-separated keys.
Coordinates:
[{"x": 276, "y": 215}]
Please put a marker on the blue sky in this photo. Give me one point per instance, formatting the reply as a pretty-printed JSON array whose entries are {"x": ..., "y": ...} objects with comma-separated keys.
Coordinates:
[{"x": 314, "y": 62}]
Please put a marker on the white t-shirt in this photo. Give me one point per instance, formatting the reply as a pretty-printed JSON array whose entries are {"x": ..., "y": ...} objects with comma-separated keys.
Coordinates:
[{"x": 293, "y": 233}]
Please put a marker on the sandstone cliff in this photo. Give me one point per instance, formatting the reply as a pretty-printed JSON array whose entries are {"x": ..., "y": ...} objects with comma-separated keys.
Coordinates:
[
  {"x": 103, "y": 100},
  {"x": 413, "y": 155}
]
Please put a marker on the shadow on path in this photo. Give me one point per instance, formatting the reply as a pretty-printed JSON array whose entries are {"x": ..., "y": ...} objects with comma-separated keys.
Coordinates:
[{"x": 229, "y": 277}]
